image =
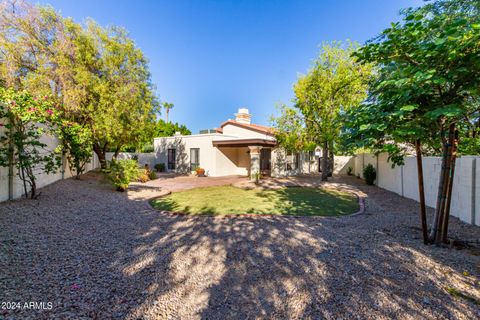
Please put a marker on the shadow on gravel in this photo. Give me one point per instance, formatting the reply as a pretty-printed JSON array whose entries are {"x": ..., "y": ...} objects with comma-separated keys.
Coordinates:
[{"x": 241, "y": 268}]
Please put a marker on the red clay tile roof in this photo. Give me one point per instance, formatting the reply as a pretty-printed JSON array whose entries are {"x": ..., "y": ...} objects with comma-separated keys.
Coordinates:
[{"x": 251, "y": 126}]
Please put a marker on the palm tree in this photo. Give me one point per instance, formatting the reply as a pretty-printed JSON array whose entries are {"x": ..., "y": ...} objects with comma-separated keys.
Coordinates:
[{"x": 167, "y": 107}]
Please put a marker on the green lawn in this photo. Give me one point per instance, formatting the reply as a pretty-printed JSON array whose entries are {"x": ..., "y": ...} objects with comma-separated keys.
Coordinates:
[{"x": 287, "y": 201}]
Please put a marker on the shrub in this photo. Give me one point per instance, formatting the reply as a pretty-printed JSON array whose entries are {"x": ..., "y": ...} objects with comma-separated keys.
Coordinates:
[
  {"x": 143, "y": 175},
  {"x": 152, "y": 175},
  {"x": 160, "y": 167},
  {"x": 349, "y": 171},
  {"x": 369, "y": 174},
  {"x": 122, "y": 172},
  {"x": 148, "y": 148},
  {"x": 26, "y": 119}
]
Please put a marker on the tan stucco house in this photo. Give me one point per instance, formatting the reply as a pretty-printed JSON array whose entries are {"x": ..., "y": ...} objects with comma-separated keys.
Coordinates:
[{"x": 237, "y": 147}]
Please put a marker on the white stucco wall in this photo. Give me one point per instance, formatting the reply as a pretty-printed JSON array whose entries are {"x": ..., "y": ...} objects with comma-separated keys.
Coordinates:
[
  {"x": 42, "y": 179},
  {"x": 403, "y": 180},
  {"x": 209, "y": 155}
]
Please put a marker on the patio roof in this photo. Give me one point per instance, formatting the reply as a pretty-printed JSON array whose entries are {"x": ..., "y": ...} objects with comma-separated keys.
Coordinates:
[{"x": 244, "y": 143}]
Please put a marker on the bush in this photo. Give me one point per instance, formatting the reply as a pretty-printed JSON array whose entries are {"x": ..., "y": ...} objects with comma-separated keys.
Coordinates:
[
  {"x": 143, "y": 175},
  {"x": 148, "y": 148},
  {"x": 369, "y": 174},
  {"x": 122, "y": 172},
  {"x": 160, "y": 167},
  {"x": 152, "y": 175},
  {"x": 349, "y": 171}
]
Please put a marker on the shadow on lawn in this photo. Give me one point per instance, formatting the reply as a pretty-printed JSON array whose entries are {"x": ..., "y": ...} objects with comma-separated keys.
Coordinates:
[{"x": 297, "y": 201}]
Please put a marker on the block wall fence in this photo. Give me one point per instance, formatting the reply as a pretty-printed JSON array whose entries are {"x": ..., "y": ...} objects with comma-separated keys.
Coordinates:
[
  {"x": 403, "y": 181},
  {"x": 42, "y": 178}
]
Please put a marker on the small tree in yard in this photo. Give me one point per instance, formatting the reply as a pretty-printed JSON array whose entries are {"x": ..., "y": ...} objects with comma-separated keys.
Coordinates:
[
  {"x": 75, "y": 145},
  {"x": 335, "y": 83},
  {"x": 26, "y": 119},
  {"x": 427, "y": 87}
]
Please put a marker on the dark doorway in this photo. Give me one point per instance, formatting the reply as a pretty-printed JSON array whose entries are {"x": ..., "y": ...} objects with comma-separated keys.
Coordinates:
[
  {"x": 171, "y": 159},
  {"x": 265, "y": 162}
]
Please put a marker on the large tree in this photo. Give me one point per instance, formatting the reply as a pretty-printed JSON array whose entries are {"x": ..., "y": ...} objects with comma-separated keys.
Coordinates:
[
  {"x": 427, "y": 88},
  {"x": 98, "y": 77},
  {"x": 335, "y": 83}
]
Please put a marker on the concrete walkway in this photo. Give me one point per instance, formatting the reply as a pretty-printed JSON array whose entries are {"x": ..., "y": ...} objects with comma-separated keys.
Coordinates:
[{"x": 167, "y": 183}]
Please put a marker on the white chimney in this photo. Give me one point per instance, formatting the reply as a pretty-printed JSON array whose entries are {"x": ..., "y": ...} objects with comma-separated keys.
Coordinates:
[{"x": 243, "y": 116}]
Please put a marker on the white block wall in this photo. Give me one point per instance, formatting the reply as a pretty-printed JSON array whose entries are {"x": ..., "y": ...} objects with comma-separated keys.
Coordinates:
[
  {"x": 403, "y": 181},
  {"x": 42, "y": 179}
]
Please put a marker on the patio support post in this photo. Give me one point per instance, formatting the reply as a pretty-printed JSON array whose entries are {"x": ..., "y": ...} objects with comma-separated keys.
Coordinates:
[{"x": 254, "y": 162}]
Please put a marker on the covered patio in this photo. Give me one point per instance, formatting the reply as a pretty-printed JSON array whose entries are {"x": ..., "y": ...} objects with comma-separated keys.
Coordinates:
[{"x": 253, "y": 154}]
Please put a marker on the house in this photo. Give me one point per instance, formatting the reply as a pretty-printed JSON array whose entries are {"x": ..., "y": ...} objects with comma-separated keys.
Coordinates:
[{"x": 237, "y": 147}]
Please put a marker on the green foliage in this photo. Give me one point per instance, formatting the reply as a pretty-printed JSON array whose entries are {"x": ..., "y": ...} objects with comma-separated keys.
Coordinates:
[
  {"x": 163, "y": 129},
  {"x": 122, "y": 172},
  {"x": 427, "y": 77},
  {"x": 469, "y": 146},
  {"x": 76, "y": 144},
  {"x": 152, "y": 175},
  {"x": 143, "y": 175},
  {"x": 370, "y": 174},
  {"x": 336, "y": 83},
  {"x": 101, "y": 80},
  {"x": 160, "y": 167},
  {"x": 349, "y": 171},
  {"x": 26, "y": 119},
  {"x": 290, "y": 130}
]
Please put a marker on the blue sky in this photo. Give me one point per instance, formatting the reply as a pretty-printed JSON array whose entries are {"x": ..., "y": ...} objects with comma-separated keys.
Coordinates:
[{"x": 211, "y": 57}]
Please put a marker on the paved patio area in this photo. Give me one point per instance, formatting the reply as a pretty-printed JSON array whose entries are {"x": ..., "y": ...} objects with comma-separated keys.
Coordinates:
[{"x": 100, "y": 254}]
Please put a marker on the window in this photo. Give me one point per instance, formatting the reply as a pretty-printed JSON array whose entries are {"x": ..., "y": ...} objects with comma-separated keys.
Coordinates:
[
  {"x": 194, "y": 158},
  {"x": 171, "y": 159}
]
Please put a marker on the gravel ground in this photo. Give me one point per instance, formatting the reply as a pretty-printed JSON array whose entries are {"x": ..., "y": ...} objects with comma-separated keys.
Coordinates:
[{"x": 96, "y": 253}]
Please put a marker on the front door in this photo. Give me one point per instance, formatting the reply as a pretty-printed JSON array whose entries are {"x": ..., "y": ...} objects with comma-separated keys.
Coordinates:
[{"x": 265, "y": 162}]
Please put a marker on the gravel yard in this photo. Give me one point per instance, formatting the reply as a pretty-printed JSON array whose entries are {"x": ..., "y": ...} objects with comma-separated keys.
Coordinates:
[{"x": 96, "y": 253}]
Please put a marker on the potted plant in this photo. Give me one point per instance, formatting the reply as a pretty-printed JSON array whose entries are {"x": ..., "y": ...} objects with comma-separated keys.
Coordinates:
[{"x": 200, "y": 172}]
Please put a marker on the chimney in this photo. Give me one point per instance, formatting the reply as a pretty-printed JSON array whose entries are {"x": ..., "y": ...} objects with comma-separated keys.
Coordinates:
[{"x": 243, "y": 116}]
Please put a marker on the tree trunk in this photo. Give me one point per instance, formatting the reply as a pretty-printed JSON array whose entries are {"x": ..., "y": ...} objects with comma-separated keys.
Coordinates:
[
  {"x": 445, "y": 221},
  {"x": 331, "y": 160},
  {"x": 444, "y": 192},
  {"x": 117, "y": 151},
  {"x": 100, "y": 152},
  {"x": 421, "y": 192},
  {"x": 441, "y": 187},
  {"x": 325, "y": 162}
]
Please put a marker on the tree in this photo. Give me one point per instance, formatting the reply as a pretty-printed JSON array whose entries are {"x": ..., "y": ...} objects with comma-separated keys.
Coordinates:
[
  {"x": 168, "y": 107},
  {"x": 427, "y": 87},
  {"x": 75, "y": 145},
  {"x": 168, "y": 129},
  {"x": 98, "y": 77},
  {"x": 290, "y": 131},
  {"x": 27, "y": 119},
  {"x": 335, "y": 83}
]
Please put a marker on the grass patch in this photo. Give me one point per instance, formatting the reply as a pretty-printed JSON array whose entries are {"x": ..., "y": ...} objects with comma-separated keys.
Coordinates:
[
  {"x": 458, "y": 294},
  {"x": 287, "y": 201}
]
